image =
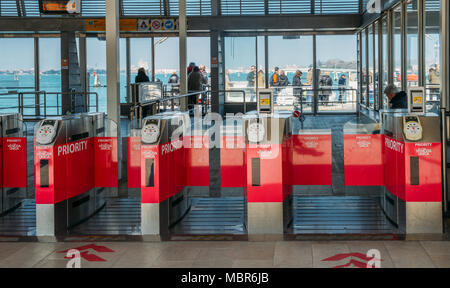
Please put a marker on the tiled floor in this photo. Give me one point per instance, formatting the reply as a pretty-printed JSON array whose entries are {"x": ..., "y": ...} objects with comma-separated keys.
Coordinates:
[{"x": 230, "y": 254}]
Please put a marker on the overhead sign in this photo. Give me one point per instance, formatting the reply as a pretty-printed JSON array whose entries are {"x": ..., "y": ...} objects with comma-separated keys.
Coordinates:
[
  {"x": 56, "y": 7},
  {"x": 133, "y": 25},
  {"x": 99, "y": 25}
]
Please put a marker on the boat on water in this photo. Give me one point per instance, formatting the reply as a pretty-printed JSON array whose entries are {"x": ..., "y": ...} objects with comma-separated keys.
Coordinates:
[{"x": 97, "y": 82}]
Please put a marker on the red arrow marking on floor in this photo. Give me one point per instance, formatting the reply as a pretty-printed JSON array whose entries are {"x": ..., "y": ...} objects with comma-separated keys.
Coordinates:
[
  {"x": 94, "y": 247},
  {"x": 338, "y": 257},
  {"x": 88, "y": 257},
  {"x": 355, "y": 263}
]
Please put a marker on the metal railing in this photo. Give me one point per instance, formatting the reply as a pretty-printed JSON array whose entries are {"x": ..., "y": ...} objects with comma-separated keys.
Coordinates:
[
  {"x": 160, "y": 104},
  {"x": 303, "y": 98},
  {"x": 42, "y": 104},
  {"x": 172, "y": 103}
]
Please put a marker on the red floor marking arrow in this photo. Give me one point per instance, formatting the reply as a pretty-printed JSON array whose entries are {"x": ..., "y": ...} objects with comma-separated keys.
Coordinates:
[
  {"x": 341, "y": 256},
  {"x": 88, "y": 257},
  {"x": 355, "y": 263},
  {"x": 94, "y": 247}
]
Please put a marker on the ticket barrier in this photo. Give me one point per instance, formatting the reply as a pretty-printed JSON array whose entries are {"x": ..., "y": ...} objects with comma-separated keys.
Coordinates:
[
  {"x": 164, "y": 199},
  {"x": 13, "y": 162},
  {"x": 402, "y": 157},
  {"x": 73, "y": 159},
  {"x": 268, "y": 183},
  {"x": 412, "y": 172}
]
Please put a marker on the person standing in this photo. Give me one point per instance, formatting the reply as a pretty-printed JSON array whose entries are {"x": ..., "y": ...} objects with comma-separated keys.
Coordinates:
[
  {"x": 342, "y": 87},
  {"x": 297, "y": 84},
  {"x": 251, "y": 77},
  {"x": 275, "y": 82},
  {"x": 174, "y": 82},
  {"x": 141, "y": 76},
  {"x": 283, "y": 79},
  {"x": 204, "y": 73},
  {"x": 190, "y": 67},
  {"x": 195, "y": 84}
]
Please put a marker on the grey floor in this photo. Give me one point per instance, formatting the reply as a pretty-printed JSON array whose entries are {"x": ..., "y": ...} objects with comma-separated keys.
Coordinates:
[{"x": 210, "y": 254}]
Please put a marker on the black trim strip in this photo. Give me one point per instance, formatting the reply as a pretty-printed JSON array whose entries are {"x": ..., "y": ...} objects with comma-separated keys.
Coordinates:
[
  {"x": 80, "y": 136},
  {"x": 81, "y": 201}
]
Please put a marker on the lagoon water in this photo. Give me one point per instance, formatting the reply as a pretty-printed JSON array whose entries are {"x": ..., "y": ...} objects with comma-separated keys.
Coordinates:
[{"x": 52, "y": 83}]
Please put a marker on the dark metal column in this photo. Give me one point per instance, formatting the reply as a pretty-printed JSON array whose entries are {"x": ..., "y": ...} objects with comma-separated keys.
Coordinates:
[
  {"x": 65, "y": 75},
  {"x": 315, "y": 77},
  {"x": 83, "y": 64},
  {"x": 128, "y": 69},
  {"x": 36, "y": 76},
  {"x": 217, "y": 106}
]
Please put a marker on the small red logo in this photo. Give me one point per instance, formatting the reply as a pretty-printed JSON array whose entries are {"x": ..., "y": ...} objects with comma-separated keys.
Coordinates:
[{"x": 85, "y": 254}]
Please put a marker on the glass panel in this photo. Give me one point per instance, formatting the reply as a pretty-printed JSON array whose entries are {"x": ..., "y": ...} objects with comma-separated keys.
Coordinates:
[
  {"x": 432, "y": 54},
  {"x": 371, "y": 68},
  {"x": 364, "y": 67},
  {"x": 96, "y": 65},
  {"x": 376, "y": 71},
  {"x": 397, "y": 47},
  {"x": 50, "y": 72},
  {"x": 385, "y": 52},
  {"x": 199, "y": 51},
  {"x": 16, "y": 70},
  {"x": 338, "y": 72},
  {"x": 412, "y": 62},
  {"x": 167, "y": 58},
  {"x": 239, "y": 59},
  {"x": 296, "y": 55}
]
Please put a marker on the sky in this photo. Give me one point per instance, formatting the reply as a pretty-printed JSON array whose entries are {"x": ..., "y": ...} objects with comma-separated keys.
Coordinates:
[{"x": 17, "y": 53}]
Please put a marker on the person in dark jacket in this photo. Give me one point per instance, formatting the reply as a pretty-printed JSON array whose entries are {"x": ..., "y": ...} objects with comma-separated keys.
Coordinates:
[
  {"x": 325, "y": 84},
  {"x": 190, "y": 67},
  {"x": 284, "y": 80},
  {"x": 195, "y": 83},
  {"x": 141, "y": 76},
  {"x": 251, "y": 76},
  {"x": 342, "y": 85},
  {"x": 174, "y": 82},
  {"x": 397, "y": 100},
  {"x": 297, "y": 84}
]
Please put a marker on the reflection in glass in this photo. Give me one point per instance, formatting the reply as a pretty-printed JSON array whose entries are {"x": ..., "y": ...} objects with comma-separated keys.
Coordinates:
[
  {"x": 432, "y": 54},
  {"x": 412, "y": 62}
]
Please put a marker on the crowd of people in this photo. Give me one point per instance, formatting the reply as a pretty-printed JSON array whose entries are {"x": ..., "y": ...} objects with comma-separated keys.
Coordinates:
[{"x": 279, "y": 81}]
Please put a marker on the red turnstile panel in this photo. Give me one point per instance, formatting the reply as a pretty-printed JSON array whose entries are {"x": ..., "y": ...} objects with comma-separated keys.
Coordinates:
[
  {"x": 311, "y": 159},
  {"x": 106, "y": 168},
  {"x": 134, "y": 162},
  {"x": 363, "y": 159},
  {"x": 14, "y": 162},
  {"x": 232, "y": 161}
]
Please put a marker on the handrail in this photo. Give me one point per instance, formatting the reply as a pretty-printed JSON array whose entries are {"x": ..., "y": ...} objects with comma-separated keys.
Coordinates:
[
  {"x": 37, "y": 105},
  {"x": 139, "y": 106},
  {"x": 136, "y": 110}
]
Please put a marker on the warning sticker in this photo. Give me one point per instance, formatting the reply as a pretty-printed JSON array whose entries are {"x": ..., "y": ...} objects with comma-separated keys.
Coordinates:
[{"x": 143, "y": 25}]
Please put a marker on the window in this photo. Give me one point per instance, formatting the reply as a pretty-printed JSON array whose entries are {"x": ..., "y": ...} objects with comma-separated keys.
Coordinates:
[
  {"x": 341, "y": 67},
  {"x": 385, "y": 54},
  {"x": 397, "y": 47},
  {"x": 290, "y": 54},
  {"x": 16, "y": 71},
  {"x": 364, "y": 67},
  {"x": 412, "y": 44},
  {"x": 432, "y": 52}
]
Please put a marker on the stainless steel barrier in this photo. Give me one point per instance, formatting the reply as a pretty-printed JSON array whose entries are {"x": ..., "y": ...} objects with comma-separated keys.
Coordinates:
[{"x": 40, "y": 102}]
